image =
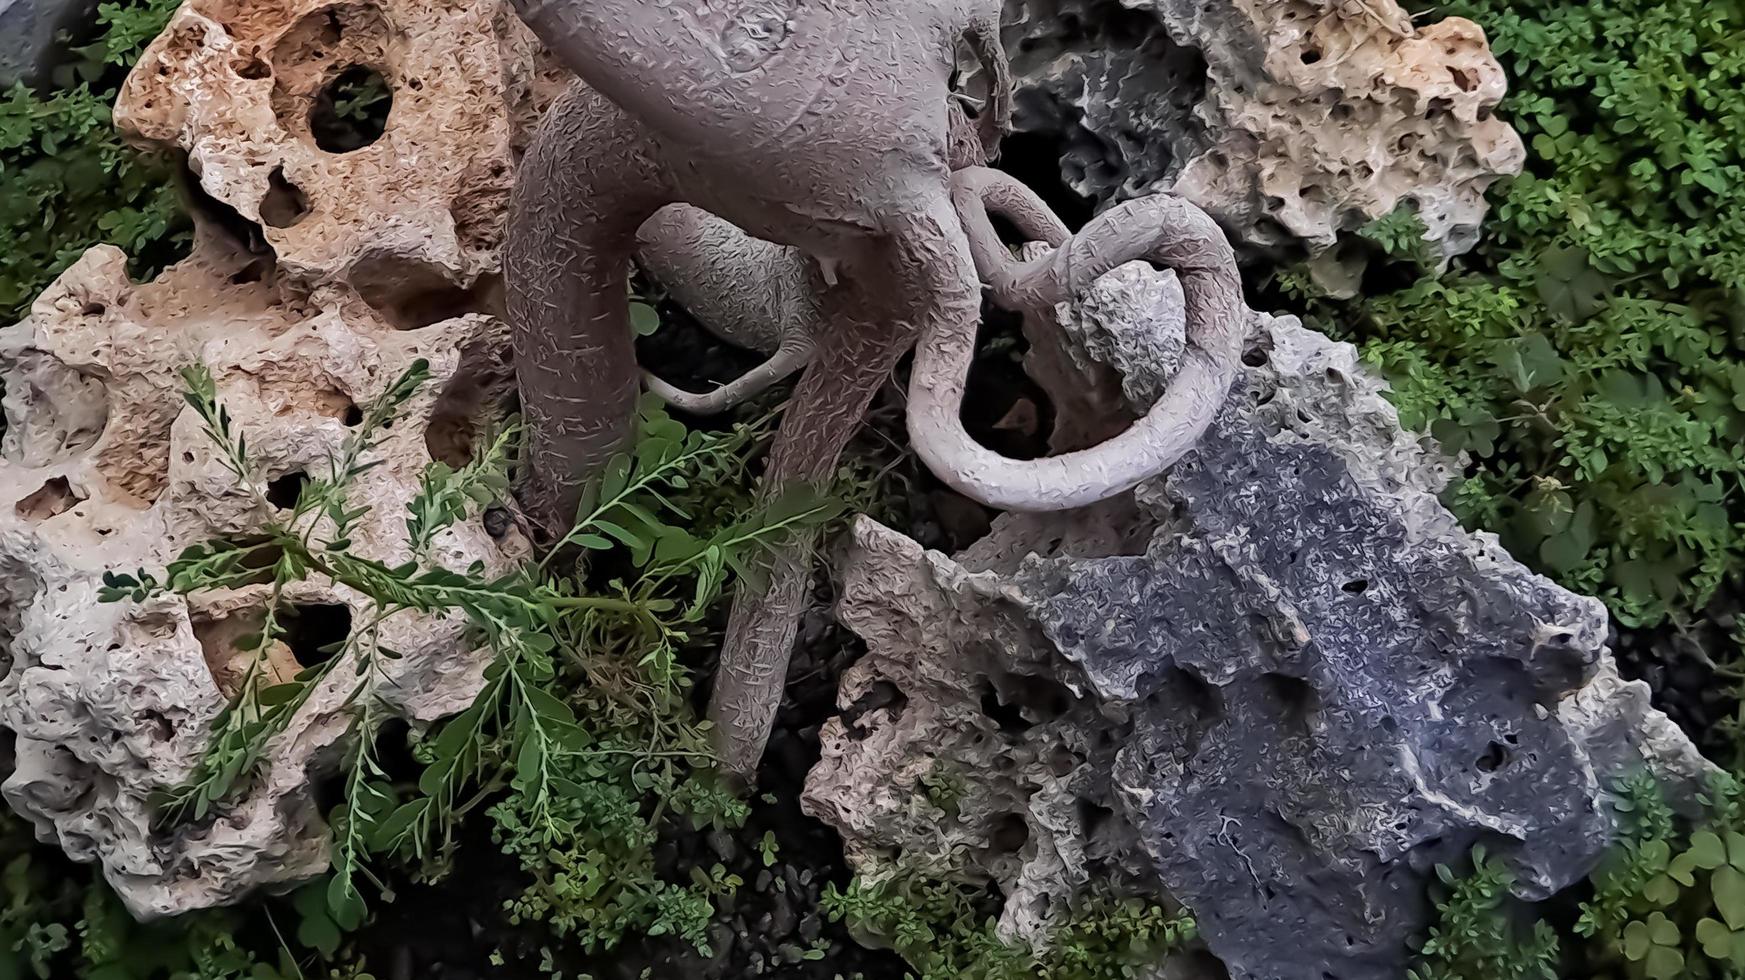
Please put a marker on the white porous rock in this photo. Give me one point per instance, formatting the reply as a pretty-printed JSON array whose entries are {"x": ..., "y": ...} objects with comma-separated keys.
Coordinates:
[
  {"x": 104, "y": 467},
  {"x": 410, "y": 220},
  {"x": 1291, "y": 121}
]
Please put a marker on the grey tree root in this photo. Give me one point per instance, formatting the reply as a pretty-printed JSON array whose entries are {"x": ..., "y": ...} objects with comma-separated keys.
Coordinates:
[
  {"x": 749, "y": 292},
  {"x": 1163, "y": 229},
  {"x": 823, "y": 128},
  {"x": 752, "y": 293}
]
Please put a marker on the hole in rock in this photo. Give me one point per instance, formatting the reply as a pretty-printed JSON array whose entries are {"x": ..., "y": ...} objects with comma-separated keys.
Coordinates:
[
  {"x": 1003, "y": 408},
  {"x": 881, "y": 695},
  {"x": 328, "y": 791},
  {"x": 1042, "y": 699},
  {"x": 315, "y": 631},
  {"x": 158, "y": 725},
  {"x": 1062, "y": 761},
  {"x": 1310, "y": 56},
  {"x": 219, "y": 215},
  {"x": 352, "y": 110},
  {"x": 497, "y": 521},
  {"x": 1493, "y": 759},
  {"x": 1295, "y": 696},
  {"x": 1255, "y": 357},
  {"x": 1356, "y": 586},
  {"x": 409, "y": 293},
  {"x": 335, "y": 405},
  {"x": 1009, "y": 717},
  {"x": 1035, "y": 159},
  {"x": 251, "y": 273},
  {"x": 253, "y": 69},
  {"x": 54, "y": 498},
  {"x": 285, "y": 491},
  {"x": 1204, "y": 702},
  {"x": 1010, "y": 834},
  {"x": 285, "y": 204},
  {"x": 1093, "y": 817},
  {"x": 229, "y": 644}
]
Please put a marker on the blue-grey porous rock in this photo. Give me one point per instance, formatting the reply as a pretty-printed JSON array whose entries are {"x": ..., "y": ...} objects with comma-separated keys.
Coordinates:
[
  {"x": 28, "y": 35},
  {"x": 1277, "y": 686}
]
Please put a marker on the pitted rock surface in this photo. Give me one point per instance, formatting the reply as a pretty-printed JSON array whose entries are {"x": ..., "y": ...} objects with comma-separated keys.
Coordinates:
[
  {"x": 1290, "y": 122},
  {"x": 371, "y": 143},
  {"x": 104, "y": 467},
  {"x": 1278, "y": 687}
]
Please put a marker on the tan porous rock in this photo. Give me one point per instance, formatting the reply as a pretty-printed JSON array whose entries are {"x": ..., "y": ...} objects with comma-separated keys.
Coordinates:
[
  {"x": 103, "y": 466},
  {"x": 372, "y": 142},
  {"x": 1290, "y": 121}
]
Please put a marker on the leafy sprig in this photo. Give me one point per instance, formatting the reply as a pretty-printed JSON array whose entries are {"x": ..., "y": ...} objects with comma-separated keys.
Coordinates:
[{"x": 521, "y": 748}]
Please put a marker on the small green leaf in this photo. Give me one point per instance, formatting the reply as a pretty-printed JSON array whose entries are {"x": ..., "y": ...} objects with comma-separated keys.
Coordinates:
[
  {"x": 1717, "y": 939},
  {"x": 1728, "y": 886},
  {"x": 1663, "y": 931},
  {"x": 644, "y": 319},
  {"x": 1665, "y": 963},
  {"x": 1636, "y": 940}
]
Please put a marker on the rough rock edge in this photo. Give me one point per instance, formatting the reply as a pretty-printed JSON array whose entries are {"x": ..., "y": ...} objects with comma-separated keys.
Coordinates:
[
  {"x": 945, "y": 636},
  {"x": 109, "y": 702},
  {"x": 1291, "y": 122}
]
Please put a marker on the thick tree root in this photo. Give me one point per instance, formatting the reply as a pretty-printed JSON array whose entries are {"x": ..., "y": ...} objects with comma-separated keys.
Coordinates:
[
  {"x": 1162, "y": 229},
  {"x": 854, "y": 360}
]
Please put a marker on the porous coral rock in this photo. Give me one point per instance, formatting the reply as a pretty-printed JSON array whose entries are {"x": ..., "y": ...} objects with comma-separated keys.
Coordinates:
[
  {"x": 372, "y": 142},
  {"x": 352, "y": 162},
  {"x": 105, "y": 467},
  {"x": 1277, "y": 685},
  {"x": 1289, "y": 121}
]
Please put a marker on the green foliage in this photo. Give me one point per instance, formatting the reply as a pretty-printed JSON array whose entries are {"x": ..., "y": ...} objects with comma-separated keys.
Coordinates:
[
  {"x": 944, "y": 783},
  {"x": 1667, "y": 903},
  {"x": 946, "y": 931},
  {"x": 70, "y": 181},
  {"x": 584, "y": 716},
  {"x": 1587, "y": 355},
  {"x": 1472, "y": 937},
  {"x": 58, "y": 920}
]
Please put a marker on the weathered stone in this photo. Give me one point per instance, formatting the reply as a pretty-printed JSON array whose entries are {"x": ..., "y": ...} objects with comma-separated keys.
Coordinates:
[
  {"x": 400, "y": 201},
  {"x": 104, "y": 467},
  {"x": 1277, "y": 685},
  {"x": 1289, "y": 121},
  {"x": 30, "y": 32}
]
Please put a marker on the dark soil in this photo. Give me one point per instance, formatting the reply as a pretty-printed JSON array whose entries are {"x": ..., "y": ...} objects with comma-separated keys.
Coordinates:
[{"x": 1681, "y": 664}]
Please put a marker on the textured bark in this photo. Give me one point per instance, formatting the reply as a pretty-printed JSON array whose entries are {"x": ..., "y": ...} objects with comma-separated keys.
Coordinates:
[
  {"x": 764, "y": 296},
  {"x": 1161, "y": 229},
  {"x": 826, "y": 129},
  {"x": 747, "y": 291},
  {"x": 855, "y": 358},
  {"x": 821, "y": 127},
  {"x": 588, "y": 182}
]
